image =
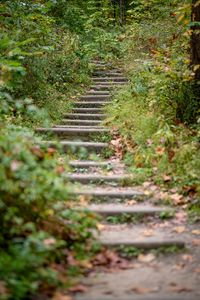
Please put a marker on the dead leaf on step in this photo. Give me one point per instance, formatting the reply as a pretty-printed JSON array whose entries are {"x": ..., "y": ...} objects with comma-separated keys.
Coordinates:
[
  {"x": 179, "y": 266},
  {"x": 101, "y": 226},
  {"x": 177, "y": 199},
  {"x": 197, "y": 270},
  {"x": 79, "y": 288},
  {"x": 181, "y": 217},
  {"x": 187, "y": 257},
  {"x": 143, "y": 290},
  {"x": 196, "y": 242},
  {"x": 179, "y": 229},
  {"x": 60, "y": 296},
  {"x": 146, "y": 258},
  {"x": 148, "y": 232},
  {"x": 179, "y": 288},
  {"x": 131, "y": 202},
  {"x": 196, "y": 231},
  {"x": 83, "y": 200}
]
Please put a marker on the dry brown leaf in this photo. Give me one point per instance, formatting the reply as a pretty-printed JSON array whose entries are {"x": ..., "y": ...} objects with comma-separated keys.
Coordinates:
[
  {"x": 146, "y": 184},
  {"x": 177, "y": 199},
  {"x": 166, "y": 178},
  {"x": 60, "y": 296},
  {"x": 197, "y": 270},
  {"x": 49, "y": 242},
  {"x": 101, "y": 226},
  {"x": 146, "y": 258},
  {"x": 179, "y": 266},
  {"x": 179, "y": 229},
  {"x": 196, "y": 242},
  {"x": 148, "y": 232},
  {"x": 60, "y": 169},
  {"x": 187, "y": 257},
  {"x": 131, "y": 202},
  {"x": 160, "y": 150},
  {"x": 181, "y": 217},
  {"x": 143, "y": 290},
  {"x": 3, "y": 288},
  {"x": 180, "y": 289},
  {"x": 196, "y": 231},
  {"x": 79, "y": 288}
]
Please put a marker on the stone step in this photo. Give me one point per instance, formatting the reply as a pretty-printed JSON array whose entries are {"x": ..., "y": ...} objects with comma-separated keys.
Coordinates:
[
  {"x": 89, "y": 163},
  {"x": 88, "y": 110},
  {"x": 109, "y": 79},
  {"x": 94, "y": 92},
  {"x": 109, "y": 84},
  {"x": 144, "y": 244},
  {"x": 91, "y": 104},
  {"x": 79, "y": 126},
  {"x": 118, "y": 193},
  {"x": 95, "y": 178},
  {"x": 107, "y": 74},
  {"x": 120, "y": 209},
  {"x": 72, "y": 131},
  {"x": 134, "y": 236},
  {"x": 94, "y": 98},
  {"x": 100, "y": 87},
  {"x": 85, "y": 116},
  {"x": 81, "y": 122},
  {"x": 76, "y": 145},
  {"x": 100, "y": 62}
]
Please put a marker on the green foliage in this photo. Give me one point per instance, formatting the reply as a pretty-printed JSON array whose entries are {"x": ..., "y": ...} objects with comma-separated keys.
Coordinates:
[
  {"x": 39, "y": 227},
  {"x": 152, "y": 111}
]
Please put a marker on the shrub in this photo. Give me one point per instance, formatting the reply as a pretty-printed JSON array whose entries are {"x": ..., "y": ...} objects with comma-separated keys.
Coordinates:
[{"x": 39, "y": 227}]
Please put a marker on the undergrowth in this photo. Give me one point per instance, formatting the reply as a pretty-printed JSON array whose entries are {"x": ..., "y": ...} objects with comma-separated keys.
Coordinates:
[{"x": 157, "y": 113}]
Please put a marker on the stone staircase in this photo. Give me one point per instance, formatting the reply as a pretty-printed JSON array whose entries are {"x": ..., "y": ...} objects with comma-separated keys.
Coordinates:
[{"x": 105, "y": 182}]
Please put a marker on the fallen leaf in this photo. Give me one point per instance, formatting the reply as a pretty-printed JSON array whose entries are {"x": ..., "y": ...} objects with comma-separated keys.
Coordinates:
[
  {"x": 49, "y": 242},
  {"x": 146, "y": 184},
  {"x": 160, "y": 150},
  {"x": 60, "y": 296},
  {"x": 37, "y": 152},
  {"x": 80, "y": 288},
  {"x": 167, "y": 178},
  {"x": 177, "y": 199},
  {"x": 131, "y": 202},
  {"x": 101, "y": 226},
  {"x": 180, "y": 289},
  {"x": 196, "y": 242},
  {"x": 181, "y": 217},
  {"x": 146, "y": 258},
  {"x": 143, "y": 290},
  {"x": 51, "y": 151},
  {"x": 197, "y": 270},
  {"x": 187, "y": 257},
  {"x": 60, "y": 169},
  {"x": 179, "y": 266},
  {"x": 148, "y": 232},
  {"x": 179, "y": 229},
  {"x": 196, "y": 231},
  {"x": 3, "y": 288},
  {"x": 15, "y": 165}
]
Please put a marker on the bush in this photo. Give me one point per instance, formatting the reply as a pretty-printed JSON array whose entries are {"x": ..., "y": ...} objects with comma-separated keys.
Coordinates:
[{"x": 39, "y": 227}]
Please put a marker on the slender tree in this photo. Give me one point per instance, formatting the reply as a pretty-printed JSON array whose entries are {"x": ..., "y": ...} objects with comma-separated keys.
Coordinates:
[{"x": 195, "y": 38}]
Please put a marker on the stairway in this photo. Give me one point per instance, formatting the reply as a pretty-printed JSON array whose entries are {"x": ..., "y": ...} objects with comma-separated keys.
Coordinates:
[{"x": 102, "y": 181}]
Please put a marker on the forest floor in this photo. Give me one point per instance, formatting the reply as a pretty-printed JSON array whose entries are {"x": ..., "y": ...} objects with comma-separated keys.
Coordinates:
[{"x": 156, "y": 247}]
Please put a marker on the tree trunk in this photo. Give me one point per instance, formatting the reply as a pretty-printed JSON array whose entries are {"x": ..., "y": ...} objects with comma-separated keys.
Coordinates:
[
  {"x": 195, "y": 39},
  {"x": 122, "y": 12}
]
